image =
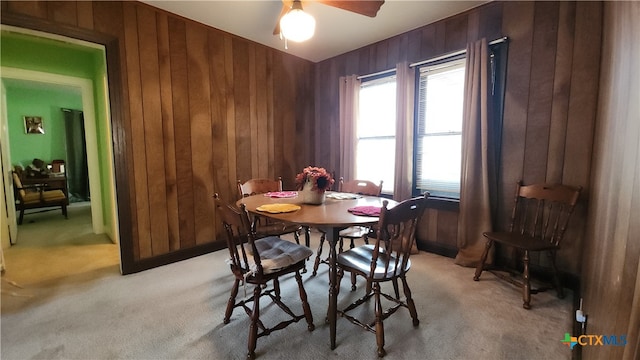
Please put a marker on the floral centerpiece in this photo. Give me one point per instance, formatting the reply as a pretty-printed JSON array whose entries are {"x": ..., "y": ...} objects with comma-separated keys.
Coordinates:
[{"x": 313, "y": 182}]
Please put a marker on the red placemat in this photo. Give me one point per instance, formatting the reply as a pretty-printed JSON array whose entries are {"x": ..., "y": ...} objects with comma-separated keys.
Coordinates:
[
  {"x": 281, "y": 194},
  {"x": 365, "y": 210}
]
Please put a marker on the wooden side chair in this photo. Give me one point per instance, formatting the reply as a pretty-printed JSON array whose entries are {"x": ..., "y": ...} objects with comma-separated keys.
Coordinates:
[
  {"x": 361, "y": 187},
  {"x": 257, "y": 262},
  {"x": 386, "y": 260},
  {"x": 263, "y": 226},
  {"x": 539, "y": 219},
  {"x": 36, "y": 196}
]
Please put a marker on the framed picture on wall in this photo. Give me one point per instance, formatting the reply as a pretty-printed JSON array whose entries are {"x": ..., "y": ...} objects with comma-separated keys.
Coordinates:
[{"x": 33, "y": 125}]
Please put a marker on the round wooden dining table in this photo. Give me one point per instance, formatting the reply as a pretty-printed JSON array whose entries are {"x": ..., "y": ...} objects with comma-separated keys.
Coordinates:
[{"x": 332, "y": 216}]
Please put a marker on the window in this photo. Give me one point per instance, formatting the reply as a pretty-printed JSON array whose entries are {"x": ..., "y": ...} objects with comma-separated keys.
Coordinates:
[
  {"x": 438, "y": 134},
  {"x": 376, "y": 131}
]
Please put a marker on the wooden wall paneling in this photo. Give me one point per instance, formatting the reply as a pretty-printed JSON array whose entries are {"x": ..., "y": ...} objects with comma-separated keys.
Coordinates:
[
  {"x": 393, "y": 52},
  {"x": 224, "y": 184},
  {"x": 381, "y": 50},
  {"x": 447, "y": 233},
  {"x": 455, "y": 33},
  {"x": 428, "y": 46},
  {"x": 230, "y": 109},
  {"x": 473, "y": 27},
  {"x": 182, "y": 131},
  {"x": 253, "y": 114},
  {"x": 364, "y": 58},
  {"x": 156, "y": 186},
  {"x": 85, "y": 14},
  {"x": 168, "y": 133},
  {"x": 489, "y": 26},
  {"x": 543, "y": 53},
  {"x": 270, "y": 96},
  {"x": 261, "y": 143},
  {"x": 31, "y": 8},
  {"x": 139, "y": 194},
  {"x": 64, "y": 12},
  {"x": 561, "y": 86},
  {"x": 517, "y": 23},
  {"x": 584, "y": 93},
  {"x": 243, "y": 121},
  {"x": 414, "y": 39},
  {"x": 581, "y": 121},
  {"x": 281, "y": 113},
  {"x": 200, "y": 118}
]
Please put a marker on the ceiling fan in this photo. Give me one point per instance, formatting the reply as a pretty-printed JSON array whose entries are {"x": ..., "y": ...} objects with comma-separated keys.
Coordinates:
[{"x": 363, "y": 7}]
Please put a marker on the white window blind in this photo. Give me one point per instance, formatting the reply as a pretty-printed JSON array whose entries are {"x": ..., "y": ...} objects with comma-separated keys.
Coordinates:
[{"x": 439, "y": 128}]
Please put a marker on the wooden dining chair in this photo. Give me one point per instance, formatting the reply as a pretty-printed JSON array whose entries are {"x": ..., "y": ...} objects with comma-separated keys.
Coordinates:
[
  {"x": 361, "y": 187},
  {"x": 263, "y": 226},
  {"x": 258, "y": 262},
  {"x": 385, "y": 261},
  {"x": 539, "y": 220}
]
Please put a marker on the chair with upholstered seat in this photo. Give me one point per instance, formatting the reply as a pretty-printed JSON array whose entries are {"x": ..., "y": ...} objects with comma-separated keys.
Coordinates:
[
  {"x": 263, "y": 226},
  {"x": 36, "y": 196},
  {"x": 360, "y": 187},
  {"x": 539, "y": 220},
  {"x": 258, "y": 262},
  {"x": 385, "y": 261}
]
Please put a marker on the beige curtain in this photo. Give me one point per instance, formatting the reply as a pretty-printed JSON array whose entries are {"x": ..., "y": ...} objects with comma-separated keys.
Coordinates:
[
  {"x": 475, "y": 198},
  {"x": 349, "y": 92},
  {"x": 405, "y": 87}
]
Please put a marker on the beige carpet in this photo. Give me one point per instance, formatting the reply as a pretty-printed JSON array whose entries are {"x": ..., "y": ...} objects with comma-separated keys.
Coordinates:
[{"x": 176, "y": 311}]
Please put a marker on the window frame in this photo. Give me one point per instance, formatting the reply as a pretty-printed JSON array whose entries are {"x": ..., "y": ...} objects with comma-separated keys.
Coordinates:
[{"x": 448, "y": 203}]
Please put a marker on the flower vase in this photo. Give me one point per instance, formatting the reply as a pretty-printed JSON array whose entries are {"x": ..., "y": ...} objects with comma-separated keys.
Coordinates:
[{"x": 310, "y": 196}]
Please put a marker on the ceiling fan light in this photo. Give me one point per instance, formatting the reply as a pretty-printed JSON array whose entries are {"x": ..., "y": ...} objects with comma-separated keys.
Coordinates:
[{"x": 297, "y": 25}]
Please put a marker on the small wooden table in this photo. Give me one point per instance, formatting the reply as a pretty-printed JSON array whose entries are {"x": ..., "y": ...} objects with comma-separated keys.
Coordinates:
[{"x": 331, "y": 217}]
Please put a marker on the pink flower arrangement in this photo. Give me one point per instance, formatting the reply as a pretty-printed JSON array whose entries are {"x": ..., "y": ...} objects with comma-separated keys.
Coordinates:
[{"x": 318, "y": 176}]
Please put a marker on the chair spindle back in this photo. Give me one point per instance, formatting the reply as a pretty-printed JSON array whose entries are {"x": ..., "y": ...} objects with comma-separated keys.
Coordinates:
[
  {"x": 396, "y": 235},
  {"x": 543, "y": 210}
]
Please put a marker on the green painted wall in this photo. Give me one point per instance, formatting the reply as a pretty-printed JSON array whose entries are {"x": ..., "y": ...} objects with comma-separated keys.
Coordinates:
[
  {"x": 46, "y": 104},
  {"x": 50, "y": 56}
]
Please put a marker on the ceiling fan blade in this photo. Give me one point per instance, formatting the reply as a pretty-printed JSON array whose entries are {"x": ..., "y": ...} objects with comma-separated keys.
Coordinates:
[
  {"x": 286, "y": 5},
  {"x": 363, "y": 7}
]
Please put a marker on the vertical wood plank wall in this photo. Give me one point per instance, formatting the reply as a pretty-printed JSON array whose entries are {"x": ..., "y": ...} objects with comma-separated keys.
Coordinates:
[
  {"x": 550, "y": 102},
  {"x": 201, "y": 108}
]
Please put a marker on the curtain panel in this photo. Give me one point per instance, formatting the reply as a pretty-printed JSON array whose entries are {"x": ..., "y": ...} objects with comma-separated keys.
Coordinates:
[
  {"x": 349, "y": 103},
  {"x": 478, "y": 162},
  {"x": 405, "y": 89}
]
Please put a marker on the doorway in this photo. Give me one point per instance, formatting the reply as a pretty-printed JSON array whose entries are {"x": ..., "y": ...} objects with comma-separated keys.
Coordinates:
[{"x": 102, "y": 210}]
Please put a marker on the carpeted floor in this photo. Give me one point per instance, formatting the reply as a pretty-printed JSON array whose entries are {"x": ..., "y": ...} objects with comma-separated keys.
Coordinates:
[{"x": 175, "y": 312}]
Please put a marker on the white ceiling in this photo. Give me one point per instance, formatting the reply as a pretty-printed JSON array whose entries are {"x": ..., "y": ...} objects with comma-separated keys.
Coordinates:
[{"x": 337, "y": 31}]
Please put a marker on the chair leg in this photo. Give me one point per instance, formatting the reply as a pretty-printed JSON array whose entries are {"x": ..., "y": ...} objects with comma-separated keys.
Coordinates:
[
  {"x": 483, "y": 258},
  {"x": 232, "y": 302},
  {"x": 307, "y": 236},
  {"x": 410, "y": 304},
  {"x": 318, "y": 254},
  {"x": 64, "y": 211},
  {"x": 253, "y": 328},
  {"x": 556, "y": 278},
  {"x": 296, "y": 237},
  {"x": 526, "y": 284},
  {"x": 276, "y": 288},
  {"x": 305, "y": 303},
  {"x": 395, "y": 288},
  {"x": 379, "y": 324},
  {"x": 353, "y": 281},
  {"x": 21, "y": 217}
]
